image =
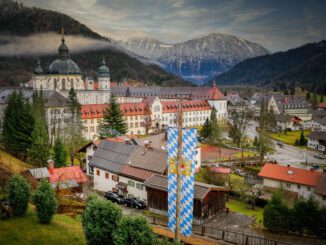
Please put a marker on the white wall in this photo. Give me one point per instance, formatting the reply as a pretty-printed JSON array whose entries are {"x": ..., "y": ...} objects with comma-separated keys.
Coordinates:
[
  {"x": 303, "y": 190},
  {"x": 107, "y": 184}
]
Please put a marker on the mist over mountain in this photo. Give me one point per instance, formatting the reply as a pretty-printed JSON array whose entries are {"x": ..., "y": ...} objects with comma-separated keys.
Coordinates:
[
  {"x": 198, "y": 59},
  {"x": 27, "y": 33}
]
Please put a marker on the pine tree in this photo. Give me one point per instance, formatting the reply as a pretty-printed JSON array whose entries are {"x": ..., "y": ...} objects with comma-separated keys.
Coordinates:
[
  {"x": 321, "y": 99},
  {"x": 302, "y": 140},
  {"x": 314, "y": 100},
  {"x": 215, "y": 131},
  {"x": 308, "y": 96},
  {"x": 206, "y": 129},
  {"x": 113, "y": 120},
  {"x": 60, "y": 153},
  {"x": 39, "y": 150},
  {"x": 74, "y": 139},
  {"x": 18, "y": 125}
]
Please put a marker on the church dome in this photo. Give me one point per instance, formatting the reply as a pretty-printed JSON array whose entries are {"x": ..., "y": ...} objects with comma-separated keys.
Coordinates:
[
  {"x": 63, "y": 65},
  {"x": 103, "y": 71}
]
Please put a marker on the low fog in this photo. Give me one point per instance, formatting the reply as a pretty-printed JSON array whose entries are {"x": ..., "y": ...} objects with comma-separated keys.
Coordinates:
[{"x": 47, "y": 43}]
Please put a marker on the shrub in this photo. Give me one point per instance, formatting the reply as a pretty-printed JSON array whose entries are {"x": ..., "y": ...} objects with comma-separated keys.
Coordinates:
[
  {"x": 100, "y": 220},
  {"x": 18, "y": 195},
  {"x": 134, "y": 230},
  {"x": 276, "y": 214},
  {"x": 45, "y": 202}
]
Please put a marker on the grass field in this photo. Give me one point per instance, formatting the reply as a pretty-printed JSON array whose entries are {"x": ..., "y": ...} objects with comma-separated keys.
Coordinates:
[
  {"x": 288, "y": 138},
  {"x": 27, "y": 230},
  {"x": 12, "y": 164},
  {"x": 244, "y": 208}
]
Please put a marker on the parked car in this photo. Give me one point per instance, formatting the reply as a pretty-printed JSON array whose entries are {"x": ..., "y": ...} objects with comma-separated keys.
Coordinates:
[
  {"x": 134, "y": 203},
  {"x": 280, "y": 144},
  {"x": 319, "y": 156},
  {"x": 240, "y": 172},
  {"x": 114, "y": 197}
]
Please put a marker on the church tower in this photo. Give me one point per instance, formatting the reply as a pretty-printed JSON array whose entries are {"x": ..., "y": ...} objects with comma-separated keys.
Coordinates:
[
  {"x": 103, "y": 77},
  {"x": 39, "y": 82}
]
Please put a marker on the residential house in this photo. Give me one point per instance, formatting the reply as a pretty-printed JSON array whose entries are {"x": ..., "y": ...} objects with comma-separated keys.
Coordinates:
[
  {"x": 320, "y": 190},
  {"x": 298, "y": 181},
  {"x": 71, "y": 177},
  {"x": 322, "y": 106},
  {"x": 318, "y": 124},
  {"x": 35, "y": 175},
  {"x": 123, "y": 167},
  {"x": 238, "y": 105},
  {"x": 209, "y": 200},
  {"x": 284, "y": 121},
  {"x": 317, "y": 140},
  {"x": 318, "y": 114}
]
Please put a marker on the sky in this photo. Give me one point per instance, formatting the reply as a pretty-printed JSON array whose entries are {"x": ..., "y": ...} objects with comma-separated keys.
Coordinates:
[{"x": 277, "y": 25}]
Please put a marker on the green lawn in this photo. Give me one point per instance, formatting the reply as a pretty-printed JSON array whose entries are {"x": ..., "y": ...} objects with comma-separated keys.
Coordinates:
[
  {"x": 27, "y": 230},
  {"x": 288, "y": 138},
  {"x": 244, "y": 208},
  {"x": 12, "y": 164}
]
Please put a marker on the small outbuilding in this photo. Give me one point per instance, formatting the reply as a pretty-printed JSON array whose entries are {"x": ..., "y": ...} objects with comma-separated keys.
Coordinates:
[{"x": 209, "y": 200}]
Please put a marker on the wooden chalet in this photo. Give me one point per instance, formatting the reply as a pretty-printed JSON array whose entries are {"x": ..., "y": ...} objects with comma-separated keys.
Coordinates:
[{"x": 209, "y": 200}]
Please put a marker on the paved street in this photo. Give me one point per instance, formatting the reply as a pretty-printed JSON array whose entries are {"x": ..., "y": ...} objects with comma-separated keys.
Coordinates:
[{"x": 287, "y": 154}]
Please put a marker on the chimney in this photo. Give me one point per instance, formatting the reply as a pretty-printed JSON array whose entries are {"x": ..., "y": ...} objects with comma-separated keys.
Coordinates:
[
  {"x": 51, "y": 166},
  {"x": 288, "y": 165}
]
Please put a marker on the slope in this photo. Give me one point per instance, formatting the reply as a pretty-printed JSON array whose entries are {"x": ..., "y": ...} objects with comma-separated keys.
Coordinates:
[{"x": 303, "y": 66}]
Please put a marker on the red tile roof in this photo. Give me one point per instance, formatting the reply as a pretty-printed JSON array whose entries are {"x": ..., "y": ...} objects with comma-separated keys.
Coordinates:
[
  {"x": 322, "y": 105},
  {"x": 220, "y": 170},
  {"x": 128, "y": 109},
  {"x": 215, "y": 93},
  {"x": 290, "y": 174},
  {"x": 187, "y": 105},
  {"x": 67, "y": 174},
  {"x": 136, "y": 173}
]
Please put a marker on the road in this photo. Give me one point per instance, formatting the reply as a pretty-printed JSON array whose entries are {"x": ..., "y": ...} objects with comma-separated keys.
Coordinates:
[{"x": 287, "y": 154}]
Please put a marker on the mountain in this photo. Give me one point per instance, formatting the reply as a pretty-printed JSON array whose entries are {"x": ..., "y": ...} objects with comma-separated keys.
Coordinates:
[
  {"x": 19, "y": 20},
  {"x": 304, "y": 66},
  {"x": 198, "y": 59},
  {"x": 148, "y": 47}
]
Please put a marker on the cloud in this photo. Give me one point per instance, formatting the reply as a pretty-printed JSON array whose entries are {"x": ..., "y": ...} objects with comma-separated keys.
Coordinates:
[
  {"x": 270, "y": 22},
  {"x": 30, "y": 45}
]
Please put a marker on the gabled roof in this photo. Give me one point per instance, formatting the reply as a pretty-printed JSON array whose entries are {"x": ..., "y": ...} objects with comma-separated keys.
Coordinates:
[
  {"x": 286, "y": 118},
  {"x": 136, "y": 173},
  {"x": 111, "y": 155},
  {"x": 151, "y": 159},
  {"x": 318, "y": 135},
  {"x": 160, "y": 182},
  {"x": 321, "y": 185},
  {"x": 290, "y": 174},
  {"x": 40, "y": 173},
  {"x": 220, "y": 170},
  {"x": 321, "y": 121},
  {"x": 322, "y": 105},
  {"x": 66, "y": 174}
]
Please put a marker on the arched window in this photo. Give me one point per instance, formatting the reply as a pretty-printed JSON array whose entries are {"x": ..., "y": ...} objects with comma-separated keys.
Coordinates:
[{"x": 55, "y": 83}]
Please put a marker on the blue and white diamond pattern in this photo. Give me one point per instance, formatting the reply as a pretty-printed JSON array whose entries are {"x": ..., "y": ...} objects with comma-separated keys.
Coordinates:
[
  {"x": 187, "y": 182},
  {"x": 172, "y": 149}
]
